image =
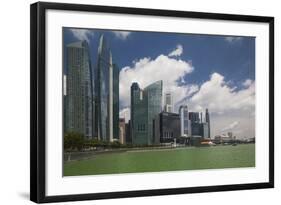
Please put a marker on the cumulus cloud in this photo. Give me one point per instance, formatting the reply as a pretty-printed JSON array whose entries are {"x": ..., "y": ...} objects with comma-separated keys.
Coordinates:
[
  {"x": 146, "y": 71},
  {"x": 232, "y": 39},
  {"x": 122, "y": 34},
  {"x": 219, "y": 97},
  {"x": 231, "y": 126},
  {"x": 177, "y": 52},
  {"x": 228, "y": 107},
  {"x": 82, "y": 34},
  {"x": 247, "y": 83}
]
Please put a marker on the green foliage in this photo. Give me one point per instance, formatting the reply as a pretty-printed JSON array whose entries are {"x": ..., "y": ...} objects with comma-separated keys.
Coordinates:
[{"x": 73, "y": 141}]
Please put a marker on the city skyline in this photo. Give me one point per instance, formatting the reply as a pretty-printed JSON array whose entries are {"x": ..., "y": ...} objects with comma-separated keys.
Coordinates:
[{"x": 229, "y": 98}]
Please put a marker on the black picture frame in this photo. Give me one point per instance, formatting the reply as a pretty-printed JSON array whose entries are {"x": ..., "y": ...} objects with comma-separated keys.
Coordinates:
[{"x": 38, "y": 101}]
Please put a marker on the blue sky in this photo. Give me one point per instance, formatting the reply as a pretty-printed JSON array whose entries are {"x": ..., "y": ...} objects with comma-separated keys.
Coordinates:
[
  {"x": 202, "y": 71},
  {"x": 209, "y": 53}
]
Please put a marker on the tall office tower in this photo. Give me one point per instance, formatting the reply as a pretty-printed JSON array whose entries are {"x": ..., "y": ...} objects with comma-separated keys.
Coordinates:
[
  {"x": 145, "y": 105},
  {"x": 168, "y": 103},
  {"x": 79, "y": 90},
  {"x": 167, "y": 127},
  {"x": 208, "y": 121},
  {"x": 115, "y": 101},
  {"x": 138, "y": 115},
  {"x": 105, "y": 91},
  {"x": 154, "y": 105},
  {"x": 185, "y": 123}
]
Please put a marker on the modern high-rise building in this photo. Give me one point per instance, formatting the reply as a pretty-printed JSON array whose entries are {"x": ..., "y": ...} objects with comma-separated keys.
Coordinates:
[
  {"x": 79, "y": 110},
  {"x": 192, "y": 123},
  {"x": 107, "y": 94},
  {"x": 185, "y": 122},
  {"x": 128, "y": 132},
  {"x": 115, "y": 101},
  {"x": 166, "y": 127},
  {"x": 168, "y": 103},
  {"x": 146, "y": 104},
  {"x": 207, "y": 117}
]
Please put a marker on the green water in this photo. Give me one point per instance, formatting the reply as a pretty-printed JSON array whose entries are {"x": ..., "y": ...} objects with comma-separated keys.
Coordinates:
[{"x": 165, "y": 160}]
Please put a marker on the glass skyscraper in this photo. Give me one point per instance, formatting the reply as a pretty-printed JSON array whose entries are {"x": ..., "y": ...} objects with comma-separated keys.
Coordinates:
[
  {"x": 154, "y": 105},
  {"x": 115, "y": 101},
  {"x": 146, "y": 104},
  {"x": 107, "y": 94},
  {"x": 78, "y": 97}
]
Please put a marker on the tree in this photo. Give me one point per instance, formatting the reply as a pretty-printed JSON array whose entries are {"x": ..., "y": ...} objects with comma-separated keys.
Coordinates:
[{"x": 73, "y": 140}]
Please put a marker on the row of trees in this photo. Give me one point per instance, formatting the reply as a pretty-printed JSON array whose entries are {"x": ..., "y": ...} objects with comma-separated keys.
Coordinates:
[{"x": 76, "y": 141}]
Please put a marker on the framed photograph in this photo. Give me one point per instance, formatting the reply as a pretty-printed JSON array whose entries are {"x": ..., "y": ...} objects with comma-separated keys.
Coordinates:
[{"x": 129, "y": 102}]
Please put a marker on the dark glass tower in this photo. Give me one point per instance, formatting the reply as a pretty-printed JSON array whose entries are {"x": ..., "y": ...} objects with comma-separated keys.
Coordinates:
[
  {"x": 79, "y": 109},
  {"x": 115, "y": 101}
]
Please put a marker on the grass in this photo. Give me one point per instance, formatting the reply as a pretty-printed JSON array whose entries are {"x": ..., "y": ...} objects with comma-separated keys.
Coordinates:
[{"x": 165, "y": 160}]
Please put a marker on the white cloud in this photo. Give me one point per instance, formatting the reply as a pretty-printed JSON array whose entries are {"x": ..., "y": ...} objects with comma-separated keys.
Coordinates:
[
  {"x": 220, "y": 97},
  {"x": 232, "y": 39},
  {"x": 231, "y": 126},
  {"x": 177, "y": 52},
  {"x": 122, "y": 34},
  {"x": 226, "y": 106},
  {"x": 146, "y": 71},
  {"x": 82, "y": 34},
  {"x": 247, "y": 83},
  {"x": 125, "y": 113}
]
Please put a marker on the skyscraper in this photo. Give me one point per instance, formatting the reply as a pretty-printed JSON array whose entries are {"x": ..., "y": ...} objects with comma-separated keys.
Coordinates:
[
  {"x": 154, "y": 105},
  {"x": 115, "y": 101},
  {"x": 79, "y": 109},
  {"x": 145, "y": 105},
  {"x": 166, "y": 127},
  {"x": 107, "y": 93},
  {"x": 168, "y": 103},
  {"x": 208, "y": 121},
  {"x": 185, "y": 123}
]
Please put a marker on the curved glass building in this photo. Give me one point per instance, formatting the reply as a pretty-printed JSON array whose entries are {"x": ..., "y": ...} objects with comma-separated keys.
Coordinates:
[
  {"x": 107, "y": 94},
  {"x": 103, "y": 67}
]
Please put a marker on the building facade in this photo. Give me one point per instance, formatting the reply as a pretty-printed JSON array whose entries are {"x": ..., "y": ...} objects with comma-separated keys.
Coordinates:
[
  {"x": 207, "y": 117},
  {"x": 79, "y": 109},
  {"x": 128, "y": 132},
  {"x": 192, "y": 123},
  {"x": 168, "y": 103},
  {"x": 107, "y": 94},
  {"x": 146, "y": 104},
  {"x": 167, "y": 127},
  {"x": 185, "y": 122},
  {"x": 122, "y": 131},
  {"x": 115, "y": 101}
]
